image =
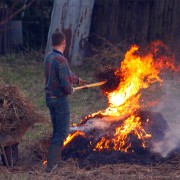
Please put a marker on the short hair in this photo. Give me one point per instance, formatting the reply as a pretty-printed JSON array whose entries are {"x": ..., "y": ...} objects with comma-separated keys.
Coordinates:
[{"x": 58, "y": 37}]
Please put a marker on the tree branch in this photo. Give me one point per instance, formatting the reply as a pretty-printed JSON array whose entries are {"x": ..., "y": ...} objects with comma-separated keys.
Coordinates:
[{"x": 25, "y": 6}]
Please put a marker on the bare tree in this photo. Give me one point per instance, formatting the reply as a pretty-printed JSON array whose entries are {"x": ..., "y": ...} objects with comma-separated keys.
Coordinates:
[{"x": 19, "y": 10}]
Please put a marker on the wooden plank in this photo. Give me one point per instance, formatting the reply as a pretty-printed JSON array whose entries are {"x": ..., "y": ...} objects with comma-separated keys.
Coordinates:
[
  {"x": 95, "y": 26},
  {"x": 175, "y": 29},
  {"x": 105, "y": 19},
  {"x": 5, "y": 32},
  {"x": 16, "y": 32},
  {"x": 8, "y": 32},
  {"x": 140, "y": 22},
  {"x": 5, "y": 40},
  {"x": 137, "y": 0},
  {"x": 1, "y": 32},
  {"x": 128, "y": 20},
  {"x": 122, "y": 20},
  {"x": 113, "y": 12},
  {"x": 158, "y": 20},
  {"x": 150, "y": 27},
  {"x": 135, "y": 21},
  {"x": 167, "y": 15},
  {"x": 118, "y": 20}
]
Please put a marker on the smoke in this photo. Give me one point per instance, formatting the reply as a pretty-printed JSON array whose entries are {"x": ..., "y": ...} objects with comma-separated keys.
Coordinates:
[
  {"x": 94, "y": 123},
  {"x": 169, "y": 143},
  {"x": 170, "y": 110}
]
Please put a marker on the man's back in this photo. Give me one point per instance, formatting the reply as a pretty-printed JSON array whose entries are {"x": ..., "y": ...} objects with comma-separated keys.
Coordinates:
[{"x": 57, "y": 73}]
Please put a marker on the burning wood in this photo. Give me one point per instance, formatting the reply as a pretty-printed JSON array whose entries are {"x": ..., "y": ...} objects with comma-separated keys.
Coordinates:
[
  {"x": 92, "y": 142},
  {"x": 117, "y": 135},
  {"x": 125, "y": 126},
  {"x": 137, "y": 72},
  {"x": 109, "y": 74}
]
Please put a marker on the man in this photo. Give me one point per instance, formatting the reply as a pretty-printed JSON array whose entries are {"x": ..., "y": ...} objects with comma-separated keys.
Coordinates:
[{"x": 58, "y": 85}]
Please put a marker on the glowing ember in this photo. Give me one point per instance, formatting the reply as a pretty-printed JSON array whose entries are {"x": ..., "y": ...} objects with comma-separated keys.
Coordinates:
[
  {"x": 44, "y": 162},
  {"x": 118, "y": 142},
  {"x": 72, "y": 136},
  {"x": 137, "y": 72}
]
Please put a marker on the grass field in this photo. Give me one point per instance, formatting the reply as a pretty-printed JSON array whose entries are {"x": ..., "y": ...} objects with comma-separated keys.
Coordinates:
[
  {"x": 28, "y": 75},
  {"x": 26, "y": 72}
]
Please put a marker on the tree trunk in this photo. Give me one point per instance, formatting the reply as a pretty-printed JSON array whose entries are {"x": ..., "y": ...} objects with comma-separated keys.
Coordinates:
[{"x": 73, "y": 17}]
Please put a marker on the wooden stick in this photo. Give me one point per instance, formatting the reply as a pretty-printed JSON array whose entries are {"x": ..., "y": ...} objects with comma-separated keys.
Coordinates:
[{"x": 90, "y": 85}]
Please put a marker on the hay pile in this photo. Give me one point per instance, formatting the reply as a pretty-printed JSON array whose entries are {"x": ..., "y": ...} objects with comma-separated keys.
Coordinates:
[
  {"x": 17, "y": 113},
  {"x": 108, "y": 73}
]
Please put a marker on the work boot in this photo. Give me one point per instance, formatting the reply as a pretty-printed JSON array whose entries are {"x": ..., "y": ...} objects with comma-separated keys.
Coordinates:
[{"x": 53, "y": 157}]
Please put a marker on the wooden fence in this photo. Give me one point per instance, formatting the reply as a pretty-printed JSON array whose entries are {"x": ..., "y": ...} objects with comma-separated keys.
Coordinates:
[
  {"x": 135, "y": 20},
  {"x": 4, "y": 32},
  {"x": 10, "y": 32}
]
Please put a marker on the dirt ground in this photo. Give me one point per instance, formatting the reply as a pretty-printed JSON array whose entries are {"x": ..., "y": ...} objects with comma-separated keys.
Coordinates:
[
  {"x": 29, "y": 167},
  {"x": 70, "y": 170}
]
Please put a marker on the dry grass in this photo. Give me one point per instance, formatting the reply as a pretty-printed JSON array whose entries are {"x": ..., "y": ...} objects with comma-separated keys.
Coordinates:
[
  {"x": 108, "y": 54},
  {"x": 30, "y": 80},
  {"x": 16, "y": 111},
  {"x": 70, "y": 170}
]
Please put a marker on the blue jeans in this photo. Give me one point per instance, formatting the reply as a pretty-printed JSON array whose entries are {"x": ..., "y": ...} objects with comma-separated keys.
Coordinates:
[{"x": 60, "y": 116}]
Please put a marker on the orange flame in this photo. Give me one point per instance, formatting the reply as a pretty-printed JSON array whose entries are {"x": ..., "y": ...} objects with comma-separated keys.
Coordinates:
[
  {"x": 118, "y": 142},
  {"x": 138, "y": 72},
  {"x": 44, "y": 162},
  {"x": 72, "y": 136}
]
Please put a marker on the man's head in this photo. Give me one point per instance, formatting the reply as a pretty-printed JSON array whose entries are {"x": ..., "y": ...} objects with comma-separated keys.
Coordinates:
[{"x": 59, "y": 40}]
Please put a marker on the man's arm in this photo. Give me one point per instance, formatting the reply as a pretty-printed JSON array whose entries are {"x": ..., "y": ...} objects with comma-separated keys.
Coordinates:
[
  {"x": 75, "y": 78},
  {"x": 65, "y": 78}
]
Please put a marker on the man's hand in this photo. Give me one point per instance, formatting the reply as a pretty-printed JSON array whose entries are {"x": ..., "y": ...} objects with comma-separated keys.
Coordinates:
[
  {"x": 82, "y": 82},
  {"x": 74, "y": 90}
]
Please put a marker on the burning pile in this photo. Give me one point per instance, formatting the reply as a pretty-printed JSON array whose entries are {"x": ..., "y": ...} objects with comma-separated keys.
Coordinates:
[
  {"x": 17, "y": 113},
  {"x": 125, "y": 126},
  {"x": 108, "y": 73}
]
